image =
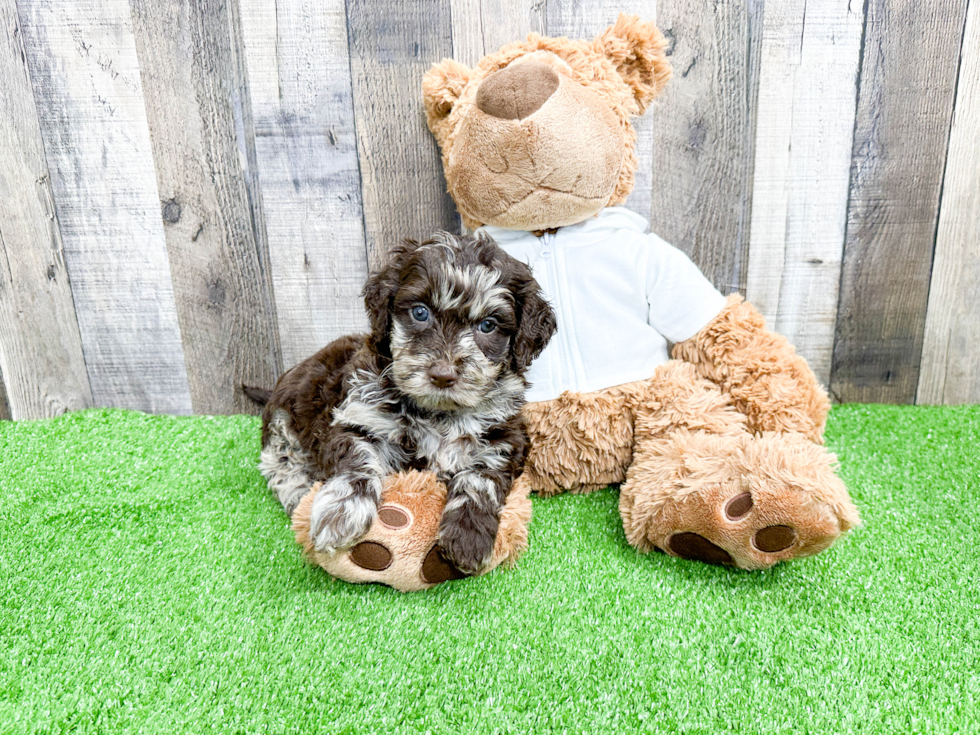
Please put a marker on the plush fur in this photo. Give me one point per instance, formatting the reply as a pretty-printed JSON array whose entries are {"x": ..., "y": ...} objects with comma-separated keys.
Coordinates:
[
  {"x": 569, "y": 156},
  {"x": 719, "y": 452},
  {"x": 437, "y": 386}
]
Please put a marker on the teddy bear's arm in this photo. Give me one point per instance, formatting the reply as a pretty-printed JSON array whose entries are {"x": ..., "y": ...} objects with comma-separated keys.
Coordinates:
[{"x": 767, "y": 381}]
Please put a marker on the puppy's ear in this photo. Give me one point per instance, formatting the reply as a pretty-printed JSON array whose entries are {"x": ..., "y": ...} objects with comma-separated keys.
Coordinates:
[
  {"x": 379, "y": 294},
  {"x": 536, "y": 322},
  {"x": 638, "y": 50}
]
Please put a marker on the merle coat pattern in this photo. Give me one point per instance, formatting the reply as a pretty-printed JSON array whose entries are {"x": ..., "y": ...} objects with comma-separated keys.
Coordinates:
[{"x": 437, "y": 385}]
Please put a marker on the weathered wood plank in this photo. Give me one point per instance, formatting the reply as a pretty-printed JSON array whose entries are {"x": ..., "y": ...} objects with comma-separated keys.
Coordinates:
[
  {"x": 392, "y": 45},
  {"x": 704, "y": 133},
  {"x": 805, "y": 114},
  {"x": 5, "y": 414},
  {"x": 950, "y": 370},
  {"x": 197, "y": 106},
  {"x": 296, "y": 53},
  {"x": 90, "y": 103},
  {"x": 585, "y": 19},
  {"x": 481, "y": 27},
  {"x": 42, "y": 368},
  {"x": 897, "y": 168}
]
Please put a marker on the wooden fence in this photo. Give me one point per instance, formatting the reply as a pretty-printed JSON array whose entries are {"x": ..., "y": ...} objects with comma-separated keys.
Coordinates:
[{"x": 192, "y": 191}]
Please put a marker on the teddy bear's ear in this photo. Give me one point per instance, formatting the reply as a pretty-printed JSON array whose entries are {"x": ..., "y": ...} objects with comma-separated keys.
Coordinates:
[
  {"x": 442, "y": 86},
  {"x": 636, "y": 49}
]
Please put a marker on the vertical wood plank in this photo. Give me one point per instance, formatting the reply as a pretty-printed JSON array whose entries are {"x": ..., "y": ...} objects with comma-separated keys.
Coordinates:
[
  {"x": 805, "y": 126},
  {"x": 89, "y": 98},
  {"x": 950, "y": 371},
  {"x": 703, "y": 135},
  {"x": 197, "y": 106},
  {"x": 296, "y": 53},
  {"x": 586, "y": 19},
  {"x": 5, "y": 414},
  {"x": 42, "y": 369},
  {"x": 481, "y": 27},
  {"x": 897, "y": 167},
  {"x": 392, "y": 45}
]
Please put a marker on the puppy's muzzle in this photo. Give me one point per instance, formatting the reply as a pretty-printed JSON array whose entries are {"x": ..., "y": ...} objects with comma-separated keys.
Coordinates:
[{"x": 442, "y": 375}]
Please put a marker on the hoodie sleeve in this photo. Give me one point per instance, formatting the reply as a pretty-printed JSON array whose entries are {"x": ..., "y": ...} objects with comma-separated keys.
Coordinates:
[{"x": 682, "y": 301}]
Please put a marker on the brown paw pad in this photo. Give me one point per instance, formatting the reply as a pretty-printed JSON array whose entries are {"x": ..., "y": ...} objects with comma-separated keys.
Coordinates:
[
  {"x": 738, "y": 506},
  {"x": 697, "y": 548},
  {"x": 774, "y": 538},
  {"x": 436, "y": 568},
  {"x": 371, "y": 555},
  {"x": 393, "y": 517}
]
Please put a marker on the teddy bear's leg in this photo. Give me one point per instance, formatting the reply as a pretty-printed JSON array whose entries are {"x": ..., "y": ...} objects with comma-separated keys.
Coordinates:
[
  {"x": 580, "y": 442},
  {"x": 767, "y": 381},
  {"x": 701, "y": 486}
]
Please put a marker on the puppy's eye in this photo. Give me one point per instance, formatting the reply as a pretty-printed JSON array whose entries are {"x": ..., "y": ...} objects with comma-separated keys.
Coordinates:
[
  {"x": 487, "y": 326},
  {"x": 419, "y": 313}
]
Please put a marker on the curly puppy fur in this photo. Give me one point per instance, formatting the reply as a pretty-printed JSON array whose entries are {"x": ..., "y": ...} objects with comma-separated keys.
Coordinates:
[{"x": 437, "y": 385}]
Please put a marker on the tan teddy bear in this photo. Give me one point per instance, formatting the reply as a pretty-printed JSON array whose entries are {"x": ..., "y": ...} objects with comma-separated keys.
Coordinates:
[{"x": 719, "y": 449}]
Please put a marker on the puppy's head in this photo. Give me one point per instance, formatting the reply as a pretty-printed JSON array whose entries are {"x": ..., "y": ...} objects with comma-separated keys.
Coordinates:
[{"x": 459, "y": 318}]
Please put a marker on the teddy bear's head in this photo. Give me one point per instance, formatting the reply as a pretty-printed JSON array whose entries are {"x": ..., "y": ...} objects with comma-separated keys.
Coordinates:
[{"x": 539, "y": 134}]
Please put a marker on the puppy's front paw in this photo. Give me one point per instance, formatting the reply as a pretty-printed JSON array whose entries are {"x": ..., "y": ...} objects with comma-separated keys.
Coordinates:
[
  {"x": 468, "y": 541},
  {"x": 341, "y": 514}
]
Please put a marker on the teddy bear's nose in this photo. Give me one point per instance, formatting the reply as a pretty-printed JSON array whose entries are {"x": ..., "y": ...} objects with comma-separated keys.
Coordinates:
[{"x": 516, "y": 91}]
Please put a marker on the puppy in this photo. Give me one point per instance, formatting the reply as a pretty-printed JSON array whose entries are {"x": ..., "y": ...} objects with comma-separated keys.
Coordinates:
[{"x": 437, "y": 385}]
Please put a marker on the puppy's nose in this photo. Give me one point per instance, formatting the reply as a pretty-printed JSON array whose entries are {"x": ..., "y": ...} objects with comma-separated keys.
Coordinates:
[
  {"x": 442, "y": 375},
  {"x": 516, "y": 91}
]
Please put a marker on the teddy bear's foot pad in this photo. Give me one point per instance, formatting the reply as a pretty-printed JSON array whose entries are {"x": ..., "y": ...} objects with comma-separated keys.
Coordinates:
[{"x": 743, "y": 501}]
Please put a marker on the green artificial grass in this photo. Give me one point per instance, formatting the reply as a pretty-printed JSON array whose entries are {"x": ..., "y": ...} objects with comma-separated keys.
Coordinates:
[{"x": 150, "y": 583}]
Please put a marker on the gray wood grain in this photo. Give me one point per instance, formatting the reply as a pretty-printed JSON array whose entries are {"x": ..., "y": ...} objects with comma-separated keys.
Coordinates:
[
  {"x": 804, "y": 137},
  {"x": 5, "y": 414},
  {"x": 586, "y": 19},
  {"x": 199, "y": 114},
  {"x": 296, "y": 54},
  {"x": 42, "y": 368},
  {"x": 704, "y": 133},
  {"x": 897, "y": 168},
  {"x": 951, "y": 349},
  {"x": 481, "y": 27},
  {"x": 90, "y": 105},
  {"x": 392, "y": 45}
]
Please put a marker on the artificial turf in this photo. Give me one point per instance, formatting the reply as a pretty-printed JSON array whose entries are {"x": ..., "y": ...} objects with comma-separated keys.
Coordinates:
[{"x": 149, "y": 583}]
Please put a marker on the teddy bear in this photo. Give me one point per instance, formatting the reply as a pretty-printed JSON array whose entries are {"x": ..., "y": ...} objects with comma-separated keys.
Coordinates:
[{"x": 711, "y": 424}]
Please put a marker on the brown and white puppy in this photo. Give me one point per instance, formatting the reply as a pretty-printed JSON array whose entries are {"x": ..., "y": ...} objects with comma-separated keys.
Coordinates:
[{"x": 437, "y": 385}]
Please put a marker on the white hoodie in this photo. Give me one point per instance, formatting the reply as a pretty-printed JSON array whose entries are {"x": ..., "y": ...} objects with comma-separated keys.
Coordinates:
[{"x": 619, "y": 295}]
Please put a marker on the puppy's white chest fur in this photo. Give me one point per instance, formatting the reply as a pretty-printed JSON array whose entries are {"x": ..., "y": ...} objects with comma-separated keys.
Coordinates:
[
  {"x": 447, "y": 442},
  {"x": 448, "y": 445}
]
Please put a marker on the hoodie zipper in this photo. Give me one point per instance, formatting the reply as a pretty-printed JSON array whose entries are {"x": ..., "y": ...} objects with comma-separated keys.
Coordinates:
[
  {"x": 559, "y": 366},
  {"x": 547, "y": 244}
]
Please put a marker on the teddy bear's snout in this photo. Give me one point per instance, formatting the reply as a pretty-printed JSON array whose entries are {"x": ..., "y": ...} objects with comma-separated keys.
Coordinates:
[{"x": 517, "y": 91}]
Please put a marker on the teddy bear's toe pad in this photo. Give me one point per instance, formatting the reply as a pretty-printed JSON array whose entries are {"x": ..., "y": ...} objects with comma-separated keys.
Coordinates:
[
  {"x": 371, "y": 555},
  {"x": 436, "y": 568},
  {"x": 695, "y": 547},
  {"x": 774, "y": 538}
]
